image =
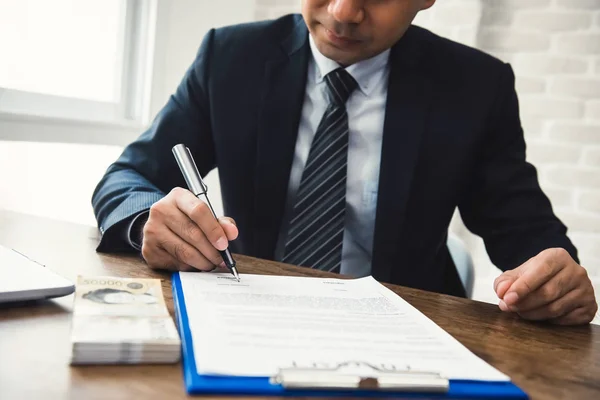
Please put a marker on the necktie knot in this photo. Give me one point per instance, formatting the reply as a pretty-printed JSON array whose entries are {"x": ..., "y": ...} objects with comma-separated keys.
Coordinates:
[{"x": 341, "y": 84}]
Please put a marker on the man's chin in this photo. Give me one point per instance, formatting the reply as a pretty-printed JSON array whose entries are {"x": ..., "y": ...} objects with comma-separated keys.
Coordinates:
[{"x": 341, "y": 56}]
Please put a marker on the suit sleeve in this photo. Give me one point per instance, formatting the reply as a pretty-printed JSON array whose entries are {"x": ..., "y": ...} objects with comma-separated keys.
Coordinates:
[
  {"x": 504, "y": 203},
  {"x": 146, "y": 170}
]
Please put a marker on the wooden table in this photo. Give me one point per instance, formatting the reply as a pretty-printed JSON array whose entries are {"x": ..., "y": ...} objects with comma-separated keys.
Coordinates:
[{"x": 548, "y": 362}]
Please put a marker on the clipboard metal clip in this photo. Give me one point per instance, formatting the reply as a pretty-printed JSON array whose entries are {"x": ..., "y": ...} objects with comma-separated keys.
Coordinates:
[{"x": 360, "y": 375}]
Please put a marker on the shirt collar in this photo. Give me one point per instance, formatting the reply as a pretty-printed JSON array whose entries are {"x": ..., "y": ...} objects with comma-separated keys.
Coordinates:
[{"x": 366, "y": 72}]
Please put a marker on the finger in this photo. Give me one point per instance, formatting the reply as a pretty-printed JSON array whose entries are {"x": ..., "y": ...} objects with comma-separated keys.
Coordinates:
[
  {"x": 229, "y": 227},
  {"x": 578, "y": 316},
  {"x": 509, "y": 276},
  {"x": 557, "y": 308},
  {"x": 199, "y": 212},
  {"x": 187, "y": 230},
  {"x": 503, "y": 286},
  {"x": 183, "y": 252},
  {"x": 228, "y": 219},
  {"x": 558, "y": 286},
  {"x": 539, "y": 271}
]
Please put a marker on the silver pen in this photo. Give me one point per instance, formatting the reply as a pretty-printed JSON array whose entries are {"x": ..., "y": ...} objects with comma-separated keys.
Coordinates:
[{"x": 198, "y": 188}]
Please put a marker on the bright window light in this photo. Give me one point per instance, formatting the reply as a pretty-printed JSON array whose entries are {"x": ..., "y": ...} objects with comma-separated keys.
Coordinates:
[{"x": 67, "y": 48}]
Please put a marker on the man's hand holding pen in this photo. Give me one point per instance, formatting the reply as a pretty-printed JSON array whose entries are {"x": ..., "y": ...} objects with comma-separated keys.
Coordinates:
[{"x": 182, "y": 234}]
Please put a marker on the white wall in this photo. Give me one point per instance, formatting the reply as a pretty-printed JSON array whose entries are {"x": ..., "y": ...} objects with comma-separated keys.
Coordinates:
[
  {"x": 53, "y": 180},
  {"x": 182, "y": 25}
]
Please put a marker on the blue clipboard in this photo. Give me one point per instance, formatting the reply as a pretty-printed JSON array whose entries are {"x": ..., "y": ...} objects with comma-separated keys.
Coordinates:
[{"x": 197, "y": 384}]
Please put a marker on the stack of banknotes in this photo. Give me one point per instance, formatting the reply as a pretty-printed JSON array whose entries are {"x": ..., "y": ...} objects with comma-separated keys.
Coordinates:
[{"x": 122, "y": 321}]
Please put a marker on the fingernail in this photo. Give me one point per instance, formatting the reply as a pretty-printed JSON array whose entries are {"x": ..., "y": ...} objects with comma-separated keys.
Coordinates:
[
  {"x": 222, "y": 243},
  {"x": 502, "y": 305},
  {"x": 511, "y": 298},
  {"x": 222, "y": 265}
]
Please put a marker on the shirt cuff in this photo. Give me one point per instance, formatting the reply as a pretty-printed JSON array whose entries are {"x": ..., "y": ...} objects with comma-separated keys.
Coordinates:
[{"x": 135, "y": 230}]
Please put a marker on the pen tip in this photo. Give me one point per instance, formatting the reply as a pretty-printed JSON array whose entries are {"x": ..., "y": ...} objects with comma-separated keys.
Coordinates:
[{"x": 235, "y": 273}]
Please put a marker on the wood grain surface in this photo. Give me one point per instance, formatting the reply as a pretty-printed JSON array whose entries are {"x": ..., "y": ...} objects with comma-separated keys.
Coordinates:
[{"x": 547, "y": 362}]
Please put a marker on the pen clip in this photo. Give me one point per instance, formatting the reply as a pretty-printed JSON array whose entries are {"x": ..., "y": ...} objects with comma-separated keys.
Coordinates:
[{"x": 188, "y": 168}]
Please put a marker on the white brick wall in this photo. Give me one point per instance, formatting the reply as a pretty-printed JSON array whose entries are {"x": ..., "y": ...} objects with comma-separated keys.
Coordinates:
[
  {"x": 554, "y": 49},
  {"x": 593, "y": 107}
]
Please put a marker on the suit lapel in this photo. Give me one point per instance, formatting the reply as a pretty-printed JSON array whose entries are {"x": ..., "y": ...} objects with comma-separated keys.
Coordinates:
[
  {"x": 406, "y": 113},
  {"x": 282, "y": 101}
]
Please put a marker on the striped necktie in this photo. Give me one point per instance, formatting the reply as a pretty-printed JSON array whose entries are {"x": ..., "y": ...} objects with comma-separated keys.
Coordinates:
[{"x": 316, "y": 229}]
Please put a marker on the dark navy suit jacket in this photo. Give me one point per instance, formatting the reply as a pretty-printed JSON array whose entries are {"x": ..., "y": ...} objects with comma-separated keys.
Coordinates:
[{"x": 452, "y": 137}]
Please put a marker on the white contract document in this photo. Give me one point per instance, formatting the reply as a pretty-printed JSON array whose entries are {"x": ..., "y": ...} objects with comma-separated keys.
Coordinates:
[{"x": 263, "y": 323}]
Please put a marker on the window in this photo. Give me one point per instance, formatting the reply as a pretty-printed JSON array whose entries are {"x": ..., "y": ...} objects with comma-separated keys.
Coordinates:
[{"x": 76, "y": 59}]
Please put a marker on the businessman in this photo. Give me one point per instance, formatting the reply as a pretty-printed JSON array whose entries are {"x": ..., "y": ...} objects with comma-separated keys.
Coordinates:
[{"x": 345, "y": 138}]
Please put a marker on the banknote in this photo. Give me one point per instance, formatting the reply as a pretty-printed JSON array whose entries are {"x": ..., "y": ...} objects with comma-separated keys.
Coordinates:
[
  {"x": 122, "y": 320},
  {"x": 119, "y": 296}
]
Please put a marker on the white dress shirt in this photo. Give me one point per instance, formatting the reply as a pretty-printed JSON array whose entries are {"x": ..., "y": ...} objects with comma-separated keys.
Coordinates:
[{"x": 366, "y": 112}]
